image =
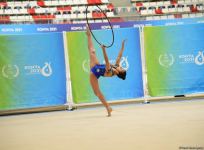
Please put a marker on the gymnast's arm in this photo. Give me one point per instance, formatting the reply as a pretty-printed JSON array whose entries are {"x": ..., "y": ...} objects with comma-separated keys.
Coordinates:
[
  {"x": 120, "y": 53},
  {"x": 106, "y": 58}
]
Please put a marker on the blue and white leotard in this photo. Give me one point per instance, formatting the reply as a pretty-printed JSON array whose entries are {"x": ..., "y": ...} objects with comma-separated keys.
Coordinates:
[{"x": 98, "y": 70}]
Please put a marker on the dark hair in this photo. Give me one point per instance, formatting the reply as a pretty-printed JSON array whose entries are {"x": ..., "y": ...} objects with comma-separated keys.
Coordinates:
[{"x": 122, "y": 75}]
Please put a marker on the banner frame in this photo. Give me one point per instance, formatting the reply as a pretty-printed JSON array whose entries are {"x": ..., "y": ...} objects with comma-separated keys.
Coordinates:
[
  {"x": 69, "y": 95},
  {"x": 143, "y": 64}
]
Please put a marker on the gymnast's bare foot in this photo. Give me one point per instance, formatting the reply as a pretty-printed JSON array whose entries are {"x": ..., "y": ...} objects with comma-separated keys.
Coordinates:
[{"x": 109, "y": 109}]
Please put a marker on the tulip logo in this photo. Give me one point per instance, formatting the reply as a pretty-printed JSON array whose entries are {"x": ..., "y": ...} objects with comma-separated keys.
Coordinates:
[
  {"x": 124, "y": 63},
  {"x": 199, "y": 59},
  {"x": 46, "y": 70}
]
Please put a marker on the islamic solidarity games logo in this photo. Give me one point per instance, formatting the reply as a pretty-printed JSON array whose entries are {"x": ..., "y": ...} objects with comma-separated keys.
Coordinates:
[
  {"x": 199, "y": 59},
  {"x": 166, "y": 60},
  {"x": 36, "y": 69},
  {"x": 10, "y": 71},
  {"x": 46, "y": 70}
]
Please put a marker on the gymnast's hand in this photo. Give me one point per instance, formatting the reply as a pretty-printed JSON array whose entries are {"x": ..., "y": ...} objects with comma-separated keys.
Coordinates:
[{"x": 103, "y": 47}]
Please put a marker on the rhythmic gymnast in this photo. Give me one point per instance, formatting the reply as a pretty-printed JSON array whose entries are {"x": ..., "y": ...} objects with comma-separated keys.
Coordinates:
[{"x": 105, "y": 70}]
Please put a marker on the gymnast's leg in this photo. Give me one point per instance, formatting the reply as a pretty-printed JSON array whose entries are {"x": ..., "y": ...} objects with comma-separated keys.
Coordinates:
[
  {"x": 93, "y": 79},
  {"x": 98, "y": 93},
  {"x": 92, "y": 53}
]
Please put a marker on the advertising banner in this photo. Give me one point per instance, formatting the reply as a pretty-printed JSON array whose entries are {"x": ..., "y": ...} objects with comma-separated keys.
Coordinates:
[
  {"x": 175, "y": 59},
  {"x": 113, "y": 88},
  {"x": 45, "y": 28},
  {"x": 32, "y": 71}
]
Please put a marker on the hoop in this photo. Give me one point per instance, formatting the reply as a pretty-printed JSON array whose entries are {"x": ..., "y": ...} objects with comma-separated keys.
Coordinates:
[{"x": 113, "y": 36}]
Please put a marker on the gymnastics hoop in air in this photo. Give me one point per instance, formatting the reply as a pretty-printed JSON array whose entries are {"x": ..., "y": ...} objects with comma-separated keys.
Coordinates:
[{"x": 113, "y": 36}]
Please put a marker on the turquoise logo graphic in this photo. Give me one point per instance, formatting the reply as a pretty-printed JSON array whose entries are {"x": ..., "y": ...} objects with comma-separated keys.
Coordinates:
[
  {"x": 199, "y": 59},
  {"x": 46, "y": 70}
]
